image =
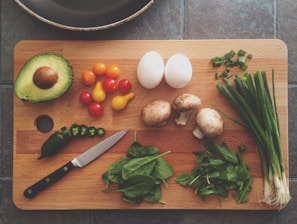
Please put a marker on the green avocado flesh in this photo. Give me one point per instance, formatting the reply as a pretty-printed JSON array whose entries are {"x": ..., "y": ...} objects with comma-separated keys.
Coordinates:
[{"x": 27, "y": 90}]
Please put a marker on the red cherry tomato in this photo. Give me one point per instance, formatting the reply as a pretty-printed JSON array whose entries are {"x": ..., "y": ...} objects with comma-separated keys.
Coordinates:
[
  {"x": 124, "y": 86},
  {"x": 109, "y": 85},
  {"x": 95, "y": 109},
  {"x": 86, "y": 97}
]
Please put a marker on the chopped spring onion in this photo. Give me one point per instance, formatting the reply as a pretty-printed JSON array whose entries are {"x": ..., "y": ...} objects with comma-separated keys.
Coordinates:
[
  {"x": 241, "y": 52},
  {"x": 229, "y": 60},
  {"x": 250, "y": 97}
]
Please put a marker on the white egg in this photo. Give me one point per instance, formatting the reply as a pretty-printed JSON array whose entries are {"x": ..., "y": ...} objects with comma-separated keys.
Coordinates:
[
  {"x": 150, "y": 70},
  {"x": 178, "y": 71}
]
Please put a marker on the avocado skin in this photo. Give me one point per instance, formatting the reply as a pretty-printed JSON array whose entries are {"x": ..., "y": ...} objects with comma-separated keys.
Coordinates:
[{"x": 26, "y": 90}]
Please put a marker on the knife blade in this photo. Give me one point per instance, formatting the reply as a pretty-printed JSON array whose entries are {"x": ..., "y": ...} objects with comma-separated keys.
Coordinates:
[{"x": 80, "y": 161}]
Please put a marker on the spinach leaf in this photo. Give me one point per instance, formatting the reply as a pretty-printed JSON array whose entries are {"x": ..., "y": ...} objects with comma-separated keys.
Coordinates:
[
  {"x": 139, "y": 176},
  {"x": 115, "y": 170},
  {"x": 134, "y": 149},
  {"x": 149, "y": 150},
  {"x": 136, "y": 186},
  {"x": 163, "y": 169},
  {"x": 136, "y": 200},
  {"x": 139, "y": 166},
  {"x": 143, "y": 165},
  {"x": 154, "y": 195}
]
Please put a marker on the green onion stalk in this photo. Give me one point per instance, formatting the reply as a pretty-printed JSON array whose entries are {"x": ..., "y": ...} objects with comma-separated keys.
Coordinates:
[{"x": 250, "y": 97}]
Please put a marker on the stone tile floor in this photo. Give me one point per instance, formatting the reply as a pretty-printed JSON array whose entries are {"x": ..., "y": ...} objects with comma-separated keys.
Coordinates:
[{"x": 166, "y": 19}]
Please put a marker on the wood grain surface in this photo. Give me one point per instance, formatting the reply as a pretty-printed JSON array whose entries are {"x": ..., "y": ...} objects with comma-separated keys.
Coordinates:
[{"x": 83, "y": 188}]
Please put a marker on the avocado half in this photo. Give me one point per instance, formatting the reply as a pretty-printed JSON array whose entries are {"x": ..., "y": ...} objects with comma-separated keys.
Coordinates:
[{"x": 43, "y": 77}]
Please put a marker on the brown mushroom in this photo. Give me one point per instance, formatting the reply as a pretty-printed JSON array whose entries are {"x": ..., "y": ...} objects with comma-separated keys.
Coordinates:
[
  {"x": 185, "y": 104},
  {"x": 156, "y": 113},
  {"x": 209, "y": 123}
]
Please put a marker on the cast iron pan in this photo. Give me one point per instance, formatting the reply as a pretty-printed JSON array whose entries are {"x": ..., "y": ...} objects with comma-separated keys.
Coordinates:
[{"x": 85, "y": 15}]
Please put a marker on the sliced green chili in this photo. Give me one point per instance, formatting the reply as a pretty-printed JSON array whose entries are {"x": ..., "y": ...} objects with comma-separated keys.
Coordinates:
[
  {"x": 100, "y": 132},
  {"x": 75, "y": 130}
]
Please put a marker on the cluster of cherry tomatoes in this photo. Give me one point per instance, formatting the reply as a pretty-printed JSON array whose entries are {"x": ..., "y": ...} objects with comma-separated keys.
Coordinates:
[{"x": 109, "y": 84}]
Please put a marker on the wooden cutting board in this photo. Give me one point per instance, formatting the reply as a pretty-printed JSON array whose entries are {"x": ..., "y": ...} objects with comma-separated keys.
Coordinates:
[{"x": 83, "y": 188}]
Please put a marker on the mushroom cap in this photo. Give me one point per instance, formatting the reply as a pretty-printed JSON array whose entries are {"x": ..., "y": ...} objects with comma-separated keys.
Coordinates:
[
  {"x": 156, "y": 113},
  {"x": 186, "y": 102},
  {"x": 210, "y": 122}
]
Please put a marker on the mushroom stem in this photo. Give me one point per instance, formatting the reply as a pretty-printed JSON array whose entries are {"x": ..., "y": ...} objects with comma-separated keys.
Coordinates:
[
  {"x": 197, "y": 133},
  {"x": 182, "y": 118},
  {"x": 184, "y": 105}
]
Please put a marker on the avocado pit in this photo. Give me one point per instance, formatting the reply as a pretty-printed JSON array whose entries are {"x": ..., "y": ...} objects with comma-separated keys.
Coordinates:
[{"x": 45, "y": 77}]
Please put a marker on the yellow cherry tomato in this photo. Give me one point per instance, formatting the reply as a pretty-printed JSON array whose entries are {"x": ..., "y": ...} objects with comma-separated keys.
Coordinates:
[
  {"x": 120, "y": 102},
  {"x": 98, "y": 93}
]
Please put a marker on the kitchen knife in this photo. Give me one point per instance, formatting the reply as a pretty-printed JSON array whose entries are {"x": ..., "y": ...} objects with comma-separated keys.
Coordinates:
[{"x": 79, "y": 161}]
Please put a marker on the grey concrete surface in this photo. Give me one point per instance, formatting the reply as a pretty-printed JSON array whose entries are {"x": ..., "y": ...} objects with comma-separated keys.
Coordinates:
[{"x": 166, "y": 19}]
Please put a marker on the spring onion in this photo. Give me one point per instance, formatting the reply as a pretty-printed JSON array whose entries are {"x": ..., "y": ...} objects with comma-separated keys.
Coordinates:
[
  {"x": 250, "y": 97},
  {"x": 229, "y": 59}
]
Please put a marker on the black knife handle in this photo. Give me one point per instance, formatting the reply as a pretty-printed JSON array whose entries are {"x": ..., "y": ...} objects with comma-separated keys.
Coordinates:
[{"x": 47, "y": 181}]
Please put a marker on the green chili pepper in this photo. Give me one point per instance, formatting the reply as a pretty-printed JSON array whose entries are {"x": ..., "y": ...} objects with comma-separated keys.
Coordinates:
[
  {"x": 59, "y": 139},
  {"x": 53, "y": 144},
  {"x": 66, "y": 133}
]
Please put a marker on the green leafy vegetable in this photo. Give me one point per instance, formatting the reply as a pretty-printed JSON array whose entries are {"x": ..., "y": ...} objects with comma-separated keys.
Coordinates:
[
  {"x": 163, "y": 169},
  {"x": 154, "y": 195},
  {"x": 115, "y": 170},
  {"x": 220, "y": 170},
  {"x": 136, "y": 186},
  {"x": 136, "y": 150},
  {"x": 137, "y": 166},
  {"x": 221, "y": 151},
  {"x": 139, "y": 176}
]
